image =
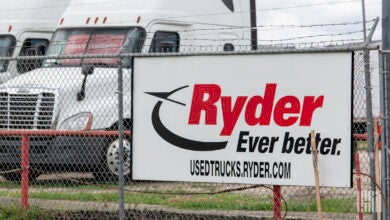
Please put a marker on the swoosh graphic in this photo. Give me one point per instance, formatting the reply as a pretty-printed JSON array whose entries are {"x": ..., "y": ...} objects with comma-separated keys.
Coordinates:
[
  {"x": 165, "y": 95},
  {"x": 178, "y": 141},
  {"x": 229, "y": 4}
]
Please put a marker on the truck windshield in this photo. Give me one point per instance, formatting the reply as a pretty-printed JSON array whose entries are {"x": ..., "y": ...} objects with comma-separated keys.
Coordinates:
[
  {"x": 94, "y": 41},
  {"x": 7, "y": 45}
]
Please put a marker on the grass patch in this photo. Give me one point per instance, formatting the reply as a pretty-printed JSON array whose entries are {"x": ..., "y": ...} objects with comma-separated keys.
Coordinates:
[
  {"x": 345, "y": 205},
  {"x": 225, "y": 201},
  {"x": 15, "y": 212},
  {"x": 361, "y": 145}
]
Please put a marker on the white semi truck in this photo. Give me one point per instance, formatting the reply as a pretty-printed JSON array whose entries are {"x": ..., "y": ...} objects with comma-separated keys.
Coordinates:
[
  {"x": 25, "y": 29},
  {"x": 80, "y": 94}
]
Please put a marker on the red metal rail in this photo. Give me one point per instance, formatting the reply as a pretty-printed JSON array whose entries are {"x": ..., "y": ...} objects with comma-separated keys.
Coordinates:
[{"x": 362, "y": 137}]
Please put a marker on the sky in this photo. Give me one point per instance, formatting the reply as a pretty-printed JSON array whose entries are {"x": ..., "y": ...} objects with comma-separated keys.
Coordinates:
[
  {"x": 291, "y": 12},
  {"x": 350, "y": 11},
  {"x": 321, "y": 13}
]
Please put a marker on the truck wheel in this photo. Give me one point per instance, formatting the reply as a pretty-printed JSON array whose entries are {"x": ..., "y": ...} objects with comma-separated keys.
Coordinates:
[{"x": 109, "y": 168}]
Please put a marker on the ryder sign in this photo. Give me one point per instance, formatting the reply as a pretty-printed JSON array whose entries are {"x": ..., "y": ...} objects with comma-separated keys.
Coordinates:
[{"x": 243, "y": 118}]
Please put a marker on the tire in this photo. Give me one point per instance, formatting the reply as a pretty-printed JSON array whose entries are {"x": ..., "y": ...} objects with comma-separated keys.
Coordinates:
[
  {"x": 17, "y": 177},
  {"x": 108, "y": 170}
]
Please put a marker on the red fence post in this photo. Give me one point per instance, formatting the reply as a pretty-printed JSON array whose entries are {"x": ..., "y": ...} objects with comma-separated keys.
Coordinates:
[
  {"x": 277, "y": 202},
  {"x": 24, "y": 171},
  {"x": 359, "y": 185}
]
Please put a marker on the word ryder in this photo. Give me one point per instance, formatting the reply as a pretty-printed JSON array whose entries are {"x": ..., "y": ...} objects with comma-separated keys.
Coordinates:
[{"x": 286, "y": 111}]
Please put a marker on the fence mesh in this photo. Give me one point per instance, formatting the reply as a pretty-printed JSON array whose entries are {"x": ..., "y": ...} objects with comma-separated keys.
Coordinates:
[{"x": 69, "y": 114}]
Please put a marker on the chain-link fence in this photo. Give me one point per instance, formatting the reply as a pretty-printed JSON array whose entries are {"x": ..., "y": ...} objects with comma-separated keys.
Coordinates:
[{"x": 62, "y": 134}]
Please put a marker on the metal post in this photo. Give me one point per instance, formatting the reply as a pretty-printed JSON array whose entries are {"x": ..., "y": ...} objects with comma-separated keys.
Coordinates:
[
  {"x": 277, "y": 202},
  {"x": 370, "y": 128},
  {"x": 385, "y": 141},
  {"x": 25, "y": 171},
  {"x": 382, "y": 80},
  {"x": 359, "y": 185},
  {"x": 120, "y": 137},
  {"x": 364, "y": 20},
  {"x": 386, "y": 66},
  {"x": 386, "y": 133},
  {"x": 253, "y": 18},
  {"x": 369, "y": 117}
]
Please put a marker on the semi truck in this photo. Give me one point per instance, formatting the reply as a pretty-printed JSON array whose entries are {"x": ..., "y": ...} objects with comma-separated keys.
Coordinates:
[
  {"x": 80, "y": 94},
  {"x": 26, "y": 28}
]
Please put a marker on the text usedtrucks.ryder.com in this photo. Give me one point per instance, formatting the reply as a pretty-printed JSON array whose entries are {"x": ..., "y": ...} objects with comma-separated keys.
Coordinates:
[
  {"x": 25, "y": 29},
  {"x": 80, "y": 94}
]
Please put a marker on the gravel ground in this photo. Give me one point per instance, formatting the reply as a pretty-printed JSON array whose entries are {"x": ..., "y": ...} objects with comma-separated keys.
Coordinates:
[{"x": 63, "y": 182}]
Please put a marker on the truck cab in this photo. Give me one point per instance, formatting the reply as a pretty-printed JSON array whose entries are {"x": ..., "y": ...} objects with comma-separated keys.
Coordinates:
[
  {"x": 80, "y": 94},
  {"x": 25, "y": 29}
]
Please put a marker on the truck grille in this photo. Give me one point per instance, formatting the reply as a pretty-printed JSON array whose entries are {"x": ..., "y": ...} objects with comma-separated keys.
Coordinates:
[{"x": 26, "y": 111}]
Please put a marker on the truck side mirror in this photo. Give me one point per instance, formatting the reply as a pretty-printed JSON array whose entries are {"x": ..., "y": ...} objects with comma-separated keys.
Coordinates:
[{"x": 85, "y": 70}]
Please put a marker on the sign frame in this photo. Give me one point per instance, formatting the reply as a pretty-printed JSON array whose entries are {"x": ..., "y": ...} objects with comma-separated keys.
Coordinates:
[{"x": 135, "y": 128}]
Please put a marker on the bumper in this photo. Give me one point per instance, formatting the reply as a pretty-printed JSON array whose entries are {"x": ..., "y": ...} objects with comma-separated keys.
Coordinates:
[{"x": 65, "y": 151}]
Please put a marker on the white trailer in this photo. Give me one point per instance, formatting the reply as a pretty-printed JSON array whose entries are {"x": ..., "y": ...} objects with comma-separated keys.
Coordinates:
[
  {"x": 26, "y": 28},
  {"x": 82, "y": 92}
]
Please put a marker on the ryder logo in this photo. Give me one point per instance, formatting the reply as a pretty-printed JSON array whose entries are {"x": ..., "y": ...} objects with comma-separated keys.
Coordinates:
[
  {"x": 173, "y": 138},
  {"x": 258, "y": 110},
  {"x": 285, "y": 111}
]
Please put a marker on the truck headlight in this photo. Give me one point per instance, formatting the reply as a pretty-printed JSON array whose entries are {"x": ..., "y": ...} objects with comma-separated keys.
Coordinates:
[{"x": 79, "y": 122}]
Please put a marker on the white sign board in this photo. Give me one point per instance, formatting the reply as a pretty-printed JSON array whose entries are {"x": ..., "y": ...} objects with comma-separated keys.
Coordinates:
[{"x": 243, "y": 118}]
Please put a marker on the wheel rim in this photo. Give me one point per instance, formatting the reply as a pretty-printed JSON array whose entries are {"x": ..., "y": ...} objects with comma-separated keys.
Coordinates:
[{"x": 113, "y": 157}]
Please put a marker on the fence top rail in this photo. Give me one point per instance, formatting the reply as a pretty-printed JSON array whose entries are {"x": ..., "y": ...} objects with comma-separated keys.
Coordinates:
[{"x": 202, "y": 52}]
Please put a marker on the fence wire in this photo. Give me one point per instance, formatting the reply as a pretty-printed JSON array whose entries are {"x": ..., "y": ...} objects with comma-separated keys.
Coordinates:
[{"x": 68, "y": 108}]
